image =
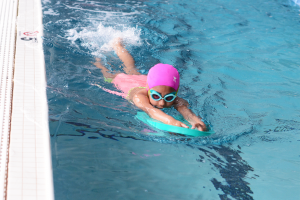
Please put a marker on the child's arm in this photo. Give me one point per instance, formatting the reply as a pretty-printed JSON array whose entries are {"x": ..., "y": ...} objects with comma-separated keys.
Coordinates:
[
  {"x": 182, "y": 106},
  {"x": 141, "y": 100}
]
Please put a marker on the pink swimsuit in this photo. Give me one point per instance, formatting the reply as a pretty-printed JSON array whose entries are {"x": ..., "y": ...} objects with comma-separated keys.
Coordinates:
[{"x": 126, "y": 83}]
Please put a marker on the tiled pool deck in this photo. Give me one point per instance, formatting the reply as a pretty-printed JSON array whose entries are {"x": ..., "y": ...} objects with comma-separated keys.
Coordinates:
[{"x": 25, "y": 156}]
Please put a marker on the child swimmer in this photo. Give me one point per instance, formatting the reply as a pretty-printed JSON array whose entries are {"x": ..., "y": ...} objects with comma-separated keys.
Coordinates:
[{"x": 151, "y": 92}]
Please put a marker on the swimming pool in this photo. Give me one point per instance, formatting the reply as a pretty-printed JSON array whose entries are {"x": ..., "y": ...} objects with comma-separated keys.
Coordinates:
[{"x": 239, "y": 68}]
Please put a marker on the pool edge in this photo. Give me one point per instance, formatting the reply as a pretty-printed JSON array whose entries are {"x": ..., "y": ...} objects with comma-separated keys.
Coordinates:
[{"x": 29, "y": 167}]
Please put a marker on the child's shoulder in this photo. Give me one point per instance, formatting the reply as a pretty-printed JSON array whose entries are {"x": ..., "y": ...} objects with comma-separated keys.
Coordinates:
[{"x": 137, "y": 91}]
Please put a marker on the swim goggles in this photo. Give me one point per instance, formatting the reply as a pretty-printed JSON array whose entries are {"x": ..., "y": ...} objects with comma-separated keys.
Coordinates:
[{"x": 157, "y": 96}]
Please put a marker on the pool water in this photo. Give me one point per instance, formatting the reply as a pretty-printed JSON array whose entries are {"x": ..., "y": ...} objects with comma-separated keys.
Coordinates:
[{"x": 240, "y": 68}]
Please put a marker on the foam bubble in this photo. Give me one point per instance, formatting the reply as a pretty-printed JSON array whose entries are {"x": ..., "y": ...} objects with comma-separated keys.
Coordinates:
[
  {"x": 296, "y": 2},
  {"x": 46, "y": 1},
  {"x": 100, "y": 40},
  {"x": 50, "y": 12}
]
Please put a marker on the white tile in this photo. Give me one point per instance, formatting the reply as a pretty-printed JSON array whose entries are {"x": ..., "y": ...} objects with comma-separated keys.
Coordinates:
[
  {"x": 14, "y": 192},
  {"x": 29, "y": 189},
  {"x": 29, "y": 166},
  {"x": 39, "y": 122},
  {"x": 15, "y": 155},
  {"x": 16, "y": 132},
  {"x": 29, "y": 87},
  {"x": 18, "y": 77},
  {"x": 40, "y": 160},
  {"x": 29, "y": 160},
  {"x": 18, "y": 149},
  {"x": 28, "y": 140},
  {"x": 41, "y": 174},
  {"x": 40, "y": 165},
  {"x": 15, "y": 168},
  {"x": 28, "y": 120},
  {"x": 29, "y": 98},
  {"x": 29, "y": 197},
  {"x": 41, "y": 187},
  {"x": 32, "y": 181},
  {"x": 41, "y": 180},
  {"x": 25, "y": 136},
  {"x": 16, "y": 159},
  {"x": 29, "y": 132},
  {"x": 39, "y": 154},
  {"x": 28, "y": 154},
  {"x": 40, "y": 193},
  {"x": 39, "y": 145},
  {"x": 17, "y": 118},
  {"x": 19, "y": 92},
  {"x": 18, "y": 84},
  {"x": 42, "y": 197},
  {"x": 14, "y": 197},
  {"x": 40, "y": 135},
  {"x": 14, "y": 174},
  {"x": 14, "y": 180},
  {"x": 17, "y": 138},
  {"x": 16, "y": 126},
  {"x": 15, "y": 186},
  {"x": 27, "y": 174},
  {"x": 29, "y": 126},
  {"x": 18, "y": 129},
  {"x": 17, "y": 121},
  {"x": 18, "y": 105},
  {"x": 29, "y": 65},
  {"x": 28, "y": 150}
]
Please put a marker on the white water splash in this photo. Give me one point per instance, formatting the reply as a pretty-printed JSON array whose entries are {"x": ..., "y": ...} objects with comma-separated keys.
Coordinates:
[{"x": 99, "y": 40}]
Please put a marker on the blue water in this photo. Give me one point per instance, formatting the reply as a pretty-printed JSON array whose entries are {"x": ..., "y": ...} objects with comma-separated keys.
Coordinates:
[{"x": 240, "y": 68}]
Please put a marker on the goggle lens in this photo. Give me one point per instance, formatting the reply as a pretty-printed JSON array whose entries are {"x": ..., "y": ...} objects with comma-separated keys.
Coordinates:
[
  {"x": 168, "y": 98},
  {"x": 155, "y": 96}
]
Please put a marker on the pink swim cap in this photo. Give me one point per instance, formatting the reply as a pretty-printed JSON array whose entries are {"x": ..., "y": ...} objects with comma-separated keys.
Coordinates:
[{"x": 163, "y": 74}]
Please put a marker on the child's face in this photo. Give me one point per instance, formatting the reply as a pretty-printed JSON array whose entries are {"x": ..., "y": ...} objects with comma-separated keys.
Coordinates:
[{"x": 163, "y": 91}]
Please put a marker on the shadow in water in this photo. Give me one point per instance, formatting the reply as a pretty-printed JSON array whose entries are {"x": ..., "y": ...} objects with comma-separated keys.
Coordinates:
[{"x": 233, "y": 169}]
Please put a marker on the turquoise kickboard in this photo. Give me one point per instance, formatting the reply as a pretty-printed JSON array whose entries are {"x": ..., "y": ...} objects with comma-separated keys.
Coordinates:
[{"x": 142, "y": 116}]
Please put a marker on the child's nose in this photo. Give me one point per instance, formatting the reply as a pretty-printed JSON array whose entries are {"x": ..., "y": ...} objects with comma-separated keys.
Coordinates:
[{"x": 162, "y": 103}]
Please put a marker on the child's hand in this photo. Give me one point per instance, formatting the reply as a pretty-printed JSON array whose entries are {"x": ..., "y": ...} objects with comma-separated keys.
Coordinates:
[
  {"x": 178, "y": 123},
  {"x": 199, "y": 126}
]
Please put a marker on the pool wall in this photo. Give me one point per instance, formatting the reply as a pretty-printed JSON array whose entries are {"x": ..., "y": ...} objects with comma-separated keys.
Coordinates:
[{"x": 26, "y": 170}]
